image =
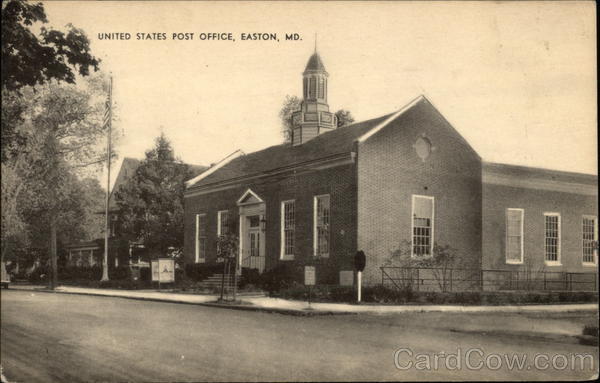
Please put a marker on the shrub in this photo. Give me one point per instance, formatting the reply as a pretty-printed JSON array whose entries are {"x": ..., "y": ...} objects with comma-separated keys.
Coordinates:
[
  {"x": 250, "y": 277},
  {"x": 120, "y": 273},
  {"x": 590, "y": 329},
  {"x": 281, "y": 277}
]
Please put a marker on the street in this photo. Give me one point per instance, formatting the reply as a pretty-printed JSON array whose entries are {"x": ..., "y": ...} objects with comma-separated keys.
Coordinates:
[{"x": 66, "y": 338}]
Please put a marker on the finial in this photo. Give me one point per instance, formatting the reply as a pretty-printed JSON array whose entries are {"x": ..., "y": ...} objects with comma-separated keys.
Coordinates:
[{"x": 315, "y": 42}]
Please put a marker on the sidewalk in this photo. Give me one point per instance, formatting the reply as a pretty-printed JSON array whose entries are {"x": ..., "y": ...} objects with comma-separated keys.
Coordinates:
[{"x": 302, "y": 308}]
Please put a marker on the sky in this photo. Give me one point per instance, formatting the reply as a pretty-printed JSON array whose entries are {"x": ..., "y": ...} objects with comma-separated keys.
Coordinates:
[{"x": 516, "y": 79}]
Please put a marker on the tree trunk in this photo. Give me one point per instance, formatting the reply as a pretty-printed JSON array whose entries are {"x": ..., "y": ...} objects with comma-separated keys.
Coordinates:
[{"x": 53, "y": 255}]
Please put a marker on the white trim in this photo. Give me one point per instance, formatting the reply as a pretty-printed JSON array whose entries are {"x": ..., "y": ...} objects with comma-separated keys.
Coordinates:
[
  {"x": 282, "y": 255},
  {"x": 512, "y": 261},
  {"x": 214, "y": 168},
  {"x": 315, "y": 234},
  {"x": 595, "y": 219},
  {"x": 412, "y": 224},
  {"x": 376, "y": 129},
  {"x": 197, "y": 240},
  {"x": 253, "y": 194},
  {"x": 558, "y": 250}
]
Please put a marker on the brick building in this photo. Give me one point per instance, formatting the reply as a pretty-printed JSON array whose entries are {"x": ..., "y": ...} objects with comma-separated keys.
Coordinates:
[{"x": 408, "y": 176}]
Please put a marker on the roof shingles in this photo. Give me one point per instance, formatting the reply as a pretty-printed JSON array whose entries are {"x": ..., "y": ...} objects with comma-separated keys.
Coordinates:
[{"x": 328, "y": 144}]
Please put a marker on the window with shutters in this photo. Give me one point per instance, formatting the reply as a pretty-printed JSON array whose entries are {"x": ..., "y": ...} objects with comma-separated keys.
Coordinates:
[
  {"x": 288, "y": 222},
  {"x": 514, "y": 235},
  {"x": 200, "y": 238},
  {"x": 321, "y": 226},
  {"x": 422, "y": 225},
  {"x": 552, "y": 238}
]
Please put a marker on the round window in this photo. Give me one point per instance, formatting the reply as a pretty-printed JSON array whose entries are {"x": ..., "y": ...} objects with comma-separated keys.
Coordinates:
[{"x": 423, "y": 147}]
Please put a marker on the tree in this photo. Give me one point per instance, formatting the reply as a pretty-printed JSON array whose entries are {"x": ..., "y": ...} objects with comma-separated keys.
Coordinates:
[
  {"x": 344, "y": 118},
  {"x": 28, "y": 59},
  {"x": 151, "y": 204},
  {"x": 62, "y": 126},
  {"x": 292, "y": 104}
]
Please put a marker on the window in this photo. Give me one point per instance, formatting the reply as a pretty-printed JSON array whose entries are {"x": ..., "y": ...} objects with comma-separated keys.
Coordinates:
[
  {"x": 321, "y": 88},
  {"x": 223, "y": 222},
  {"x": 514, "y": 235},
  {"x": 321, "y": 226},
  {"x": 590, "y": 240},
  {"x": 552, "y": 238},
  {"x": 288, "y": 222},
  {"x": 305, "y": 88},
  {"x": 312, "y": 90},
  {"x": 200, "y": 238},
  {"x": 422, "y": 225}
]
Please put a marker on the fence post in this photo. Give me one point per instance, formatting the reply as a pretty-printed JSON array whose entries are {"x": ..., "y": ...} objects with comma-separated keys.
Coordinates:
[
  {"x": 418, "y": 279},
  {"x": 381, "y": 276},
  {"x": 451, "y": 279}
]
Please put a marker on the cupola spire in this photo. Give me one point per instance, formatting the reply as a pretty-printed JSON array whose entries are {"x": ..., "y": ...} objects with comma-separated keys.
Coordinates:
[{"x": 314, "y": 117}]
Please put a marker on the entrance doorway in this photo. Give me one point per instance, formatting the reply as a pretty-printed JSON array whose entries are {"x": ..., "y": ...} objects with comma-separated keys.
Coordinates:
[{"x": 252, "y": 231}]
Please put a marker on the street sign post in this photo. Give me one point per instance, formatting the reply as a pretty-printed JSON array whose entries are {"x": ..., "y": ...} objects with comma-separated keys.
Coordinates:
[
  {"x": 310, "y": 279},
  {"x": 359, "y": 265}
]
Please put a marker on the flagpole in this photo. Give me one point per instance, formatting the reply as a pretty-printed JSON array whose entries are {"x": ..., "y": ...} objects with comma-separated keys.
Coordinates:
[{"x": 108, "y": 153}]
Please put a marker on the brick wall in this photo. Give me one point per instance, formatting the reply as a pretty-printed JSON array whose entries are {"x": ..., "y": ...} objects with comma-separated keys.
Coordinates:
[
  {"x": 338, "y": 181},
  {"x": 390, "y": 172},
  {"x": 571, "y": 206}
]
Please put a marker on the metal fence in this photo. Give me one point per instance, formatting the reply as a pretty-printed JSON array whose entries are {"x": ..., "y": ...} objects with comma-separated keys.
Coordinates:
[{"x": 457, "y": 279}]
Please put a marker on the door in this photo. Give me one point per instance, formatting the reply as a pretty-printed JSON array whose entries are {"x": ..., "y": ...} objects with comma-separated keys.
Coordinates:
[{"x": 255, "y": 248}]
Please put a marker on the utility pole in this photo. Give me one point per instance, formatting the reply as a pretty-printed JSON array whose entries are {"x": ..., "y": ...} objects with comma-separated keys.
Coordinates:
[{"x": 108, "y": 122}]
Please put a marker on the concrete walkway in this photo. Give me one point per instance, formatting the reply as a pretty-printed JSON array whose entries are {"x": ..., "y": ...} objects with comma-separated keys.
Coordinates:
[{"x": 302, "y": 308}]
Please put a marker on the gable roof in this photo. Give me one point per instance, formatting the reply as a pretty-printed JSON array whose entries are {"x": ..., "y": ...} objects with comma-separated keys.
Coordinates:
[{"x": 328, "y": 144}]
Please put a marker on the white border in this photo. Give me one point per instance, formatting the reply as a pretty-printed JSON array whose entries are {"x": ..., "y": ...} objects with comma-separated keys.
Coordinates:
[
  {"x": 253, "y": 194},
  {"x": 412, "y": 224},
  {"x": 282, "y": 255},
  {"x": 595, "y": 218},
  {"x": 513, "y": 262},
  {"x": 315, "y": 239},
  {"x": 214, "y": 168},
  {"x": 558, "y": 250}
]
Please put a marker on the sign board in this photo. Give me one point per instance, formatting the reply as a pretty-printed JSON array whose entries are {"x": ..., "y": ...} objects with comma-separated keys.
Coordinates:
[
  {"x": 359, "y": 260},
  {"x": 346, "y": 278},
  {"x": 309, "y": 275},
  {"x": 163, "y": 270}
]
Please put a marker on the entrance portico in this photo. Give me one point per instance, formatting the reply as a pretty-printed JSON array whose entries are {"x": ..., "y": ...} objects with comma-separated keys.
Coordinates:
[{"x": 252, "y": 231}]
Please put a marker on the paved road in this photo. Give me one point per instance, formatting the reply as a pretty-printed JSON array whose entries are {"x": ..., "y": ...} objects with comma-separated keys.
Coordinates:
[{"x": 59, "y": 338}]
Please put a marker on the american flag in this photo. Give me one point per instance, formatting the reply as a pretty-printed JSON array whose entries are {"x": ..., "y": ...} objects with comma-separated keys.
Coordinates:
[{"x": 108, "y": 109}]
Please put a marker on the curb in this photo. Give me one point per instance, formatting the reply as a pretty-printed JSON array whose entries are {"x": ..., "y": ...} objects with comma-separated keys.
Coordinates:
[
  {"x": 250, "y": 307},
  {"x": 376, "y": 309}
]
